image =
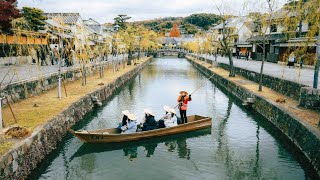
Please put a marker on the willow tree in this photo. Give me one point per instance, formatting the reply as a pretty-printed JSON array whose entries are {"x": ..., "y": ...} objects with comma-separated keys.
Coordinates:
[
  {"x": 149, "y": 40},
  {"x": 129, "y": 38},
  {"x": 226, "y": 39},
  {"x": 262, "y": 25}
]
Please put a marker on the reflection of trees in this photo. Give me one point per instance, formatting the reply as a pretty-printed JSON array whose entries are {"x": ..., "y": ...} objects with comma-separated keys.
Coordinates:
[{"x": 237, "y": 167}]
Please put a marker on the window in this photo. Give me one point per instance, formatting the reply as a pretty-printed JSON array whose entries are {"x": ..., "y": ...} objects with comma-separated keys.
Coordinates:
[{"x": 273, "y": 28}]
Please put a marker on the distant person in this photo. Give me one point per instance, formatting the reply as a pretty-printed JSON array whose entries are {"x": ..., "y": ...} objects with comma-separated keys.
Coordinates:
[
  {"x": 131, "y": 126},
  {"x": 51, "y": 55},
  {"x": 291, "y": 60},
  {"x": 56, "y": 54},
  {"x": 34, "y": 57},
  {"x": 247, "y": 55},
  {"x": 43, "y": 57},
  {"x": 183, "y": 100}
]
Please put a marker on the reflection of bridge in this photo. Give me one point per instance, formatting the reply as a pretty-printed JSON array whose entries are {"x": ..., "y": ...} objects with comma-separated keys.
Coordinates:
[{"x": 171, "y": 52}]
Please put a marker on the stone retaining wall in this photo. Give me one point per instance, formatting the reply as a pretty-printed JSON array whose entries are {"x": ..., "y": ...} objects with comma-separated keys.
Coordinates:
[
  {"x": 310, "y": 98},
  {"x": 33, "y": 87},
  {"x": 23, "y": 158},
  {"x": 285, "y": 87},
  {"x": 301, "y": 134}
]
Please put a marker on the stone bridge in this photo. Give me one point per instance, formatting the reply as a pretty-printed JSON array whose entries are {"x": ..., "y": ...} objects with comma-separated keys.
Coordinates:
[{"x": 171, "y": 52}]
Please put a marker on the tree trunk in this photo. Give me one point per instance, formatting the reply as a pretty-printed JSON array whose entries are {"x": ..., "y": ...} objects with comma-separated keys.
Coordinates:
[
  {"x": 84, "y": 81},
  {"x": 262, "y": 63},
  {"x": 129, "y": 57},
  {"x": 232, "y": 72},
  {"x": 316, "y": 69}
]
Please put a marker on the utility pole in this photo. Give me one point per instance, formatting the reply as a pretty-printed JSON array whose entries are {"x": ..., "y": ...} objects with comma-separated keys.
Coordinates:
[{"x": 316, "y": 69}]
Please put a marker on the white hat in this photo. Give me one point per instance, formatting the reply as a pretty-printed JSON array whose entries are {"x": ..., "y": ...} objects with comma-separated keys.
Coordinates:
[
  {"x": 125, "y": 112},
  {"x": 132, "y": 117},
  {"x": 167, "y": 108},
  {"x": 148, "y": 111},
  {"x": 172, "y": 110}
]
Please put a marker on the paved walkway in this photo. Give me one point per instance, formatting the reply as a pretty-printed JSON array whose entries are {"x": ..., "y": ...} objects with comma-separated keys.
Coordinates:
[
  {"x": 27, "y": 72},
  {"x": 301, "y": 76}
]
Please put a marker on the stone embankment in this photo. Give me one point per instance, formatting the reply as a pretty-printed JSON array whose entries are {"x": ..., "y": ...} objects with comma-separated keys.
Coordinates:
[
  {"x": 300, "y": 126},
  {"x": 24, "y": 157}
]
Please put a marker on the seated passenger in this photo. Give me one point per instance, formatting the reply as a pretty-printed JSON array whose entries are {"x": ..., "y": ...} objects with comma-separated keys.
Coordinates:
[
  {"x": 150, "y": 123},
  {"x": 124, "y": 119},
  {"x": 170, "y": 120},
  {"x": 131, "y": 126}
]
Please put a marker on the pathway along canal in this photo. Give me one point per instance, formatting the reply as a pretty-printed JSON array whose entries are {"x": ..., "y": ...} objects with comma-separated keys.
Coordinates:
[{"x": 241, "y": 144}]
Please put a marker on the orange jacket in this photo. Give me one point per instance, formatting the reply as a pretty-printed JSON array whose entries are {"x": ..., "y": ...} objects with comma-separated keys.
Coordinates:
[{"x": 183, "y": 105}]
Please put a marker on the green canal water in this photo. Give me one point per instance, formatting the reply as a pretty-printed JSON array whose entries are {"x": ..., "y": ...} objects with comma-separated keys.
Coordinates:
[{"x": 240, "y": 145}]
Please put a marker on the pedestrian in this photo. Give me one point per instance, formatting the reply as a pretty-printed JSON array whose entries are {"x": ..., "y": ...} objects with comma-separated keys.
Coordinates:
[
  {"x": 291, "y": 60},
  {"x": 33, "y": 54},
  {"x": 56, "y": 54},
  {"x": 183, "y": 100},
  {"x": 247, "y": 55},
  {"x": 301, "y": 62},
  {"x": 51, "y": 55},
  {"x": 43, "y": 56}
]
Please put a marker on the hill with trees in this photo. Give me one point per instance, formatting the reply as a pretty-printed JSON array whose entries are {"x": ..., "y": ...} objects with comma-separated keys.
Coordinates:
[{"x": 191, "y": 23}]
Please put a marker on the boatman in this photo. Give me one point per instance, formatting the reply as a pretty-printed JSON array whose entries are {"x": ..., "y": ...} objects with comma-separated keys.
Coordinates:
[{"x": 183, "y": 105}]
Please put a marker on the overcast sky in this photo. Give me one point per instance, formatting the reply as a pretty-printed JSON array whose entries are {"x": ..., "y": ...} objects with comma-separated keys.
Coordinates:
[{"x": 105, "y": 10}]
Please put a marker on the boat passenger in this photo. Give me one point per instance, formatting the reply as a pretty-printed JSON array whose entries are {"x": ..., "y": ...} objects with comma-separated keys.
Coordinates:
[
  {"x": 124, "y": 119},
  {"x": 183, "y": 100},
  {"x": 131, "y": 126},
  {"x": 170, "y": 120},
  {"x": 150, "y": 123}
]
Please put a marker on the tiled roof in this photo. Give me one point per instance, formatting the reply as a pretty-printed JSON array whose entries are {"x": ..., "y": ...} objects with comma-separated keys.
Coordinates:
[{"x": 67, "y": 18}]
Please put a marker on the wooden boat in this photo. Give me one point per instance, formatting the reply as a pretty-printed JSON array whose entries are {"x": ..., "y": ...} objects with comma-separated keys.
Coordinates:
[{"x": 112, "y": 135}]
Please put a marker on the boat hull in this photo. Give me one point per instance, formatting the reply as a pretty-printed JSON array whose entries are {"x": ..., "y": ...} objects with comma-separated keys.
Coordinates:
[{"x": 195, "y": 122}]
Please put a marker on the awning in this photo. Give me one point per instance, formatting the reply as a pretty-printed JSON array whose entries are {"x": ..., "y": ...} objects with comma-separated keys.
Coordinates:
[
  {"x": 244, "y": 45},
  {"x": 310, "y": 44}
]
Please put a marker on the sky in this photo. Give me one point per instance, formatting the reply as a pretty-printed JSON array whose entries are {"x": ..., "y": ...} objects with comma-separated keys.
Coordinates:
[{"x": 105, "y": 10}]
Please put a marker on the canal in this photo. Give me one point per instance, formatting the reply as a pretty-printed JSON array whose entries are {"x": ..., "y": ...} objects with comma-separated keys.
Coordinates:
[{"x": 240, "y": 145}]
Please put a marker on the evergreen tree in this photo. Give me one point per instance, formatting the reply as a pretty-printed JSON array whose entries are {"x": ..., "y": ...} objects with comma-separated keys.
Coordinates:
[
  {"x": 35, "y": 18},
  {"x": 121, "y": 20}
]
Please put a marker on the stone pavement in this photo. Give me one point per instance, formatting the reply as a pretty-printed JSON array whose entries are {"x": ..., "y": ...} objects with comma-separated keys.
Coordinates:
[
  {"x": 28, "y": 72},
  {"x": 302, "y": 76}
]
